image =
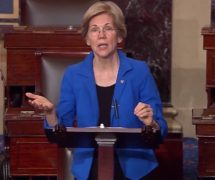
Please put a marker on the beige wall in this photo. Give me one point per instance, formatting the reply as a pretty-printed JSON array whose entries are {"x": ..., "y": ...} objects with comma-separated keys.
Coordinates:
[{"x": 188, "y": 61}]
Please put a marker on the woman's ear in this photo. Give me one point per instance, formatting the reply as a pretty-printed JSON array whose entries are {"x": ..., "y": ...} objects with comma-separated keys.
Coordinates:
[
  {"x": 119, "y": 39},
  {"x": 87, "y": 42}
]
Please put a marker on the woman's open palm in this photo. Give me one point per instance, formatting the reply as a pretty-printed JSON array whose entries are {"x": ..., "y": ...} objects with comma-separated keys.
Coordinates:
[{"x": 40, "y": 102}]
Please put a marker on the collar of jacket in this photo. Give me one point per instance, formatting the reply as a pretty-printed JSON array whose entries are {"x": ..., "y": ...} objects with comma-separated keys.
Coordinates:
[{"x": 87, "y": 66}]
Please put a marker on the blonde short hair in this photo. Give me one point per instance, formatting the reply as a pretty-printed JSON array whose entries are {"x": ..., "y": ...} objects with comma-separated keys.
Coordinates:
[{"x": 107, "y": 7}]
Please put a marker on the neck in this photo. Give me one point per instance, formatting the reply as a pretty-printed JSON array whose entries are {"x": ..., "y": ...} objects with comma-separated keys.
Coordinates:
[
  {"x": 105, "y": 64},
  {"x": 105, "y": 71}
]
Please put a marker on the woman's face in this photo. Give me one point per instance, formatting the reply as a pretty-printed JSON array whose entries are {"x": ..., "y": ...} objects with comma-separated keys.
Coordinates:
[{"x": 102, "y": 36}]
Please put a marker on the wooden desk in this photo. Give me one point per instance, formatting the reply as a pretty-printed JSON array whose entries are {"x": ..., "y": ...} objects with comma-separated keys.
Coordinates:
[
  {"x": 204, "y": 120},
  {"x": 30, "y": 153},
  {"x": 209, "y": 45}
]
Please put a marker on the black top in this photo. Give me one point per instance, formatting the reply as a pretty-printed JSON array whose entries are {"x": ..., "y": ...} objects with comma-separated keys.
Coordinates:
[{"x": 105, "y": 95}]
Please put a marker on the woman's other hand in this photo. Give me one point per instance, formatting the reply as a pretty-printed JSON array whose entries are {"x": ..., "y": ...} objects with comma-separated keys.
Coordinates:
[
  {"x": 144, "y": 112},
  {"x": 40, "y": 102}
]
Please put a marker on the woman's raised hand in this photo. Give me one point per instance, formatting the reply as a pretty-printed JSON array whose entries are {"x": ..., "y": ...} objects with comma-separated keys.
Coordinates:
[
  {"x": 44, "y": 104},
  {"x": 40, "y": 102}
]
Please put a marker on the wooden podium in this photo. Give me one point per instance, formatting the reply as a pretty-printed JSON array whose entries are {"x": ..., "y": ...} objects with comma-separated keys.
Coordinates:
[{"x": 105, "y": 139}]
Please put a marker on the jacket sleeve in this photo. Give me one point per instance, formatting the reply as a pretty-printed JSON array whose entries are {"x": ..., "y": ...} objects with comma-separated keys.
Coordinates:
[
  {"x": 66, "y": 107},
  {"x": 149, "y": 94}
]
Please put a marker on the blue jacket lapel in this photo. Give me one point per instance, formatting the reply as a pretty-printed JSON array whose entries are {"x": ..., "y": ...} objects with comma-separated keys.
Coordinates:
[
  {"x": 87, "y": 75},
  {"x": 121, "y": 77},
  {"x": 124, "y": 68}
]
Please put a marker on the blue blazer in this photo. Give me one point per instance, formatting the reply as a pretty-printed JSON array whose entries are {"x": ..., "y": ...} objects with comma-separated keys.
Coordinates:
[{"x": 78, "y": 99}]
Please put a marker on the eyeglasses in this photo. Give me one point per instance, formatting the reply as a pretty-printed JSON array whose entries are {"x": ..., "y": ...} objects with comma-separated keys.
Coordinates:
[{"x": 107, "y": 30}]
